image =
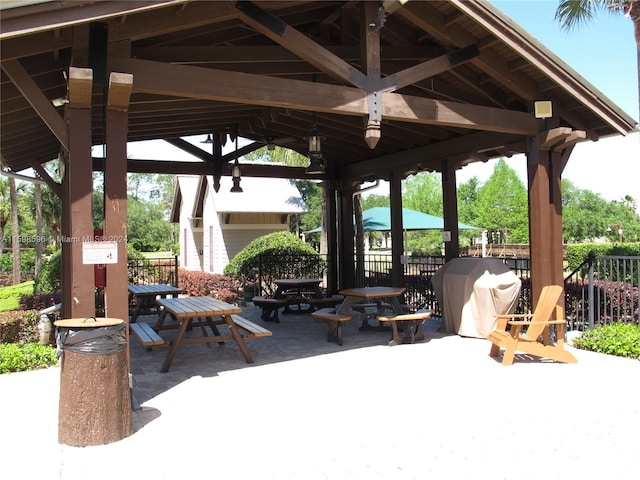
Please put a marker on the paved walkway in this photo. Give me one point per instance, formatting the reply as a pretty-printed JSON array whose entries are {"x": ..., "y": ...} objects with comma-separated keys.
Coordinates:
[{"x": 309, "y": 409}]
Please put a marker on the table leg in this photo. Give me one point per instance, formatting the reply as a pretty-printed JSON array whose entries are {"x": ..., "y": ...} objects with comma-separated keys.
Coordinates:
[
  {"x": 175, "y": 343},
  {"x": 238, "y": 338},
  {"x": 136, "y": 310},
  {"x": 203, "y": 329}
]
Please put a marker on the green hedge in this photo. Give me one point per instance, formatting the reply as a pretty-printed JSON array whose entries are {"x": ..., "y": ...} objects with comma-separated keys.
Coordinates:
[
  {"x": 579, "y": 252},
  {"x": 622, "y": 340},
  {"x": 18, "y": 357}
]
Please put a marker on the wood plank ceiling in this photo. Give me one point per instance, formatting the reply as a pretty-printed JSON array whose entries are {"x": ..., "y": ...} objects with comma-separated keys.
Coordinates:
[{"x": 450, "y": 80}]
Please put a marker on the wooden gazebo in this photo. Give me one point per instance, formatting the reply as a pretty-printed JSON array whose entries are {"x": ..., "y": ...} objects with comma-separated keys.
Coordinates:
[{"x": 394, "y": 87}]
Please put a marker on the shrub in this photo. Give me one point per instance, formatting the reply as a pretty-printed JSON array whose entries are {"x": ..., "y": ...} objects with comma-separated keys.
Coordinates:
[
  {"x": 276, "y": 255},
  {"x": 622, "y": 340},
  {"x": 49, "y": 279},
  {"x": 275, "y": 244},
  {"x": 19, "y": 326},
  {"x": 199, "y": 284},
  {"x": 18, "y": 357},
  {"x": 40, "y": 302},
  {"x": 578, "y": 253}
]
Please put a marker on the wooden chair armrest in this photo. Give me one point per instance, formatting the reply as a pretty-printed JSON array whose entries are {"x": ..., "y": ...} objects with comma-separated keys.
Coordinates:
[
  {"x": 525, "y": 322},
  {"x": 503, "y": 320}
]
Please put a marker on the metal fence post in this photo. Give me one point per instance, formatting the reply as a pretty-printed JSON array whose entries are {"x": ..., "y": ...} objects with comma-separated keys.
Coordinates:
[
  {"x": 175, "y": 270},
  {"x": 591, "y": 259}
]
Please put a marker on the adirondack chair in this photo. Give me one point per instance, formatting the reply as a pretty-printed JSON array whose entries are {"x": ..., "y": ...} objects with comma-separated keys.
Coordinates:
[{"x": 536, "y": 339}]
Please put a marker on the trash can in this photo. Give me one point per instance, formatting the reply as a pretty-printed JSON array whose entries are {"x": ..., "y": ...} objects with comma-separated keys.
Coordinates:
[{"x": 95, "y": 398}]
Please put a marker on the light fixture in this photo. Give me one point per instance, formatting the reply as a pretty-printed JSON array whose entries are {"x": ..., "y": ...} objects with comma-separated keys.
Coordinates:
[
  {"x": 543, "y": 109},
  {"x": 271, "y": 145},
  {"x": 316, "y": 162},
  {"x": 235, "y": 170},
  {"x": 209, "y": 139}
]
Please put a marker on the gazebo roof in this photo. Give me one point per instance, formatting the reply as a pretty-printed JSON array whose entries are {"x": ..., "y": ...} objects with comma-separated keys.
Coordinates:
[{"x": 457, "y": 80}]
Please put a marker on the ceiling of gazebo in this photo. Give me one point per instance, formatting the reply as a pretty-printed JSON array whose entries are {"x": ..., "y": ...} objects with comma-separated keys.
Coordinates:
[{"x": 264, "y": 67}]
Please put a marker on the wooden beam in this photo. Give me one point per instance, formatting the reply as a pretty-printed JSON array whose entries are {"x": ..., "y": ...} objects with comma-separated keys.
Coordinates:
[
  {"x": 42, "y": 106},
  {"x": 271, "y": 53},
  {"x": 51, "y": 183},
  {"x": 576, "y": 136},
  {"x": 370, "y": 39},
  {"x": 428, "y": 154},
  {"x": 211, "y": 84},
  {"x": 120, "y": 87},
  {"x": 80, "y": 87},
  {"x": 549, "y": 138},
  {"x": 205, "y": 168},
  {"x": 434, "y": 67},
  {"x": 272, "y": 27}
]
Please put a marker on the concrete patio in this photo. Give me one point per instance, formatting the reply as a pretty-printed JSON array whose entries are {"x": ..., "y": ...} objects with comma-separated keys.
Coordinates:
[{"x": 309, "y": 409}]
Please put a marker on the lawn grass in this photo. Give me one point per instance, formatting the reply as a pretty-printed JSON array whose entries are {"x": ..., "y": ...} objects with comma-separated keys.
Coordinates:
[{"x": 10, "y": 296}]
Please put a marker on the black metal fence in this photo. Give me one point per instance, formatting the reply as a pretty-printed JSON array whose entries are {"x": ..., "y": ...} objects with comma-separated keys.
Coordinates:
[
  {"x": 153, "y": 270},
  {"x": 375, "y": 270},
  {"x": 604, "y": 289}
]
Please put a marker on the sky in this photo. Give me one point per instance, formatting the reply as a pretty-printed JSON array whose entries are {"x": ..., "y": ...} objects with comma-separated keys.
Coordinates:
[{"x": 604, "y": 53}]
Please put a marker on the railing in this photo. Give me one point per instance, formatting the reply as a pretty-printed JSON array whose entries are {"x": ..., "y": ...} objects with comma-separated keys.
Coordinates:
[
  {"x": 604, "y": 289},
  {"x": 153, "y": 270}
]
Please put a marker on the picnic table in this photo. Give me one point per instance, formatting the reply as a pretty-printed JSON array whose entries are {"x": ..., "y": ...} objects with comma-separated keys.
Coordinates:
[
  {"x": 205, "y": 312},
  {"x": 144, "y": 297},
  {"x": 383, "y": 303},
  {"x": 370, "y": 302},
  {"x": 297, "y": 291}
]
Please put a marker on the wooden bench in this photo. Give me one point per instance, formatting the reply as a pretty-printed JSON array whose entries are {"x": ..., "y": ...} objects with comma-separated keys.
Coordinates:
[
  {"x": 410, "y": 326},
  {"x": 253, "y": 330},
  {"x": 146, "y": 335},
  {"x": 269, "y": 307},
  {"x": 334, "y": 321},
  {"x": 321, "y": 302}
]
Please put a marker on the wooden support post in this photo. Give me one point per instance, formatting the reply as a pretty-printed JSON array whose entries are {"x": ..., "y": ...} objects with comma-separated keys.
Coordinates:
[
  {"x": 330, "y": 235},
  {"x": 115, "y": 205},
  {"x": 78, "y": 293},
  {"x": 346, "y": 242},
  {"x": 397, "y": 230},
  {"x": 545, "y": 214},
  {"x": 450, "y": 210}
]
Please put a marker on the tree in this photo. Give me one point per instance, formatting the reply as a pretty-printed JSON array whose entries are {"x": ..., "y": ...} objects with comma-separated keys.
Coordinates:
[
  {"x": 15, "y": 239},
  {"x": 423, "y": 193},
  {"x": 583, "y": 214},
  {"x": 5, "y": 209},
  {"x": 573, "y": 13},
  {"x": 147, "y": 229},
  {"x": 502, "y": 205}
]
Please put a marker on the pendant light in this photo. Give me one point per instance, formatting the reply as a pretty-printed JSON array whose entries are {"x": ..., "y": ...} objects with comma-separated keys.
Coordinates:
[{"x": 235, "y": 170}]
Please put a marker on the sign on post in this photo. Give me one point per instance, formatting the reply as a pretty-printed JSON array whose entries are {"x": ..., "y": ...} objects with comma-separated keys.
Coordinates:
[{"x": 99, "y": 252}]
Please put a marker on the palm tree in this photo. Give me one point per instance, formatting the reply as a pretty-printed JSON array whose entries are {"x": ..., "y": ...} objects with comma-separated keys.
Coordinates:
[
  {"x": 572, "y": 13},
  {"x": 5, "y": 209},
  {"x": 15, "y": 241}
]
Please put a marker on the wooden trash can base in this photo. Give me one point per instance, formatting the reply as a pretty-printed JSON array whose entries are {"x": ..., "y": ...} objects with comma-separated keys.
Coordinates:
[{"x": 95, "y": 398}]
